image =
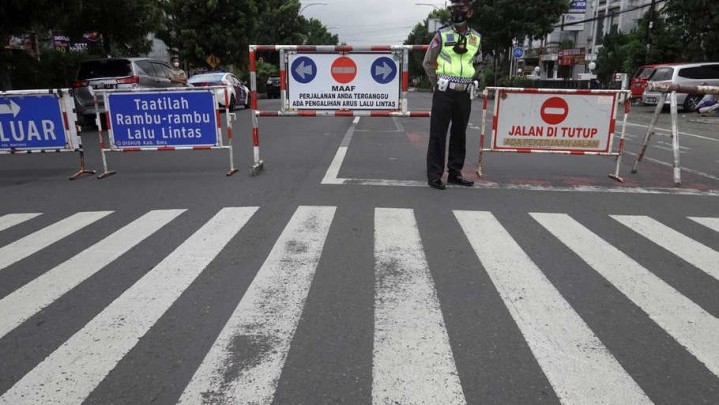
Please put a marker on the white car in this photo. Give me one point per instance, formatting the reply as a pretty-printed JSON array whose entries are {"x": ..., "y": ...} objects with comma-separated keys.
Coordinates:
[{"x": 239, "y": 93}]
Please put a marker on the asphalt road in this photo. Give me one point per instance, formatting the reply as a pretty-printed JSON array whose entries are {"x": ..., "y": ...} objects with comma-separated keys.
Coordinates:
[{"x": 336, "y": 275}]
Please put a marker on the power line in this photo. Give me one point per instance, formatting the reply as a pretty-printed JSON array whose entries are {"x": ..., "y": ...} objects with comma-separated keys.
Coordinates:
[{"x": 602, "y": 17}]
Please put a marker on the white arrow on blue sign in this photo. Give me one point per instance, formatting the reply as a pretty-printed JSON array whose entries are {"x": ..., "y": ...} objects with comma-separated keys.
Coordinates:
[
  {"x": 31, "y": 122},
  {"x": 518, "y": 52}
]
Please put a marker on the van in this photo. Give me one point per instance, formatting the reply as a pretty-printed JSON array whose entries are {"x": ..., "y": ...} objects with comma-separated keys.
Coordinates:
[
  {"x": 686, "y": 74},
  {"x": 116, "y": 73}
]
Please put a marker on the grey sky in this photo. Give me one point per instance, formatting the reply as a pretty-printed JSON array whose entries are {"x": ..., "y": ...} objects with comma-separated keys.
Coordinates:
[{"x": 370, "y": 22}]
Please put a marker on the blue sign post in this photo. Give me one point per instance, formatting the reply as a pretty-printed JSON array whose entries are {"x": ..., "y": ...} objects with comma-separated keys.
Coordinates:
[
  {"x": 162, "y": 119},
  {"x": 518, "y": 52},
  {"x": 32, "y": 122}
]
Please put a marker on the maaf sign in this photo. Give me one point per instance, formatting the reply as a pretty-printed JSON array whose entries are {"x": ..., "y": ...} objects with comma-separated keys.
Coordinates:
[{"x": 567, "y": 122}]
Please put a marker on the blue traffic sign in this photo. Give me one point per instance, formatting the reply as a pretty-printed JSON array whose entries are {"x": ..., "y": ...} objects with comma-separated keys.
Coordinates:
[
  {"x": 31, "y": 122},
  {"x": 518, "y": 52},
  {"x": 160, "y": 119},
  {"x": 304, "y": 69},
  {"x": 384, "y": 70}
]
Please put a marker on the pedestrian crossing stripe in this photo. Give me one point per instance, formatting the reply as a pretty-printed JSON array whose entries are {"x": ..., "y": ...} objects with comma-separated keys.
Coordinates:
[{"x": 413, "y": 358}]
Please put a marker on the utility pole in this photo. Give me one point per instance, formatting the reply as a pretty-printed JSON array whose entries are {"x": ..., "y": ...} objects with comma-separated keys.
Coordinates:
[{"x": 649, "y": 29}]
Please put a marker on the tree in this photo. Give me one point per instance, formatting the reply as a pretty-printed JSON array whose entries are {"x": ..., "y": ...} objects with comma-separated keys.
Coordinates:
[
  {"x": 196, "y": 29},
  {"x": 696, "y": 23},
  {"x": 502, "y": 21}
]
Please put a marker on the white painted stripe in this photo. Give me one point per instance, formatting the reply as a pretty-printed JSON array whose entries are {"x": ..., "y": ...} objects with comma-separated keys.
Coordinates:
[
  {"x": 711, "y": 223},
  {"x": 688, "y": 323},
  {"x": 693, "y": 252},
  {"x": 45, "y": 237},
  {"x": 578, "y": 365},
  {"x": 334, "y": 169},
  {"x": 265, "y": 320},
  {"x": 72, "y": 371},
  {"x": 413, "y": 362},
  {"x": 28, "y": 300},
  {"x": 10, "y": 220}
]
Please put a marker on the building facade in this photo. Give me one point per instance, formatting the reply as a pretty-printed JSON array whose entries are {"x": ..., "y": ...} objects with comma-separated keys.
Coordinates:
[{"x": 567, "y": 52}]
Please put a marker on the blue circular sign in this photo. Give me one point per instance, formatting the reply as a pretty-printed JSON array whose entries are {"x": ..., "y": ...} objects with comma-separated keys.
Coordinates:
[
  {"x": 303, "y": 69},
  {"x": 384, "y": 70},
  {"x": 518, "y": 52}
]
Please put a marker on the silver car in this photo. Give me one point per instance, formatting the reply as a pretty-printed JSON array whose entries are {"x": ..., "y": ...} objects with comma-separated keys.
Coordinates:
[
  {"x": 688, "y": 74},
  {"x": 116, "y": 73}
]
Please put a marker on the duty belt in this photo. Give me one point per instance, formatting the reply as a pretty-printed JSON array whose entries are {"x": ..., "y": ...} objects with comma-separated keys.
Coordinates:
[{"x": 458, "y": 86}]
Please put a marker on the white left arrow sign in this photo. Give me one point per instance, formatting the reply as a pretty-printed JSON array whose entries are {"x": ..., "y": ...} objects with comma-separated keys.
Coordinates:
[{"x": 10, "y": 108}]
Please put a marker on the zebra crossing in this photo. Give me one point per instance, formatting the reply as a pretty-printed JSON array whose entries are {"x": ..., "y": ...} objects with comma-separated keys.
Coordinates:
[{"x": 414, "y": 358}]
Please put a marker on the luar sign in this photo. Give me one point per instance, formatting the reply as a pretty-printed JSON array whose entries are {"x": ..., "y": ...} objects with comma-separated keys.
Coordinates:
[
  {"x": 354, "y": 81},
  {"x": 33, "y": 122}
]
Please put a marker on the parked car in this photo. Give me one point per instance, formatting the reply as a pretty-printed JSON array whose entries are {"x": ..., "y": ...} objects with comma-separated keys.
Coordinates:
[
  {"x": 239, "y": 94},
  {"x": 273, "y": 87},
  {"x": 685, "y": 74},
  {"x": 641, "y": 77},
  {"x": 116, "y": 73}
]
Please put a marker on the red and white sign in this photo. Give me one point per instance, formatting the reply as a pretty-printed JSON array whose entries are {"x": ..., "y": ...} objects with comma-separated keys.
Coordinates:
[
  {"x": 554, "y": 111},
  {"x": 550, "y": 121},
  {"x": 351, "y": 81},
  {"x": 343, "y": 70}
]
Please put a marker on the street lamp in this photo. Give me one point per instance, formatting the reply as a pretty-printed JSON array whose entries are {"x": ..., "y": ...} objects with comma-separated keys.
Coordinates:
[
  {"x": 316, "y": 3},
  {"x": 436, "y": 7}
]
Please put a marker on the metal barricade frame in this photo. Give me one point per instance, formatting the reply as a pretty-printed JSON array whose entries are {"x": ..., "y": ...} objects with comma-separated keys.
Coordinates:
[
  {"x": 670, "y": 90},
  {"x": 500, "y": 91},
  {"x": 218, "y": 144},
  {"x": 285, "y": 111},
  {"x": 66, "y": 105}
]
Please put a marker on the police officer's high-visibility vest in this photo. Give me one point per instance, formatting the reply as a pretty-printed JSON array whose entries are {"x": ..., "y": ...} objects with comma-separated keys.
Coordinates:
[{"x": 456, "y": 66}]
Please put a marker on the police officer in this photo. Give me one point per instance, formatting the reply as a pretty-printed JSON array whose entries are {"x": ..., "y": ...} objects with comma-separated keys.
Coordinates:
[{"x": 450, "y": 65}]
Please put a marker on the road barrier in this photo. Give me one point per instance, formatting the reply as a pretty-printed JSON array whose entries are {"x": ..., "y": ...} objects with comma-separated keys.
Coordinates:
[
  {"x": 669, "y": 90},
  {"x": 336, "y": 81},
  {"x": 163, "y": 120},
  {"x": 40, "y": 121},
  {"x": 564, "y": 121}
]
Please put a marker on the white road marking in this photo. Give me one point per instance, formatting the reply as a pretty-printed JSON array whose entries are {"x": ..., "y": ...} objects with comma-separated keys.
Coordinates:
[
  {"x": 28, "y": 300},
  {"x": 10, "y": 220},
  {"x": 578, "y": 365},
  {"x": 669, "y": 131},
  {"x": 685, "y": 321},
  {"x": 413, "y": 362},
  {"x": 265, "y": 321},
  {"x": 711, "y": 223},
  {"x": 689, "y": 250},
  {"x": 45, "y": 237},
  {"x": 71, "y": 372}
]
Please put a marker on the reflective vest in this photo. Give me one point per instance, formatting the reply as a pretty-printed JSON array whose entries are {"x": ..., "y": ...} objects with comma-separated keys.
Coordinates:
[{"x": 451, "y": 64}]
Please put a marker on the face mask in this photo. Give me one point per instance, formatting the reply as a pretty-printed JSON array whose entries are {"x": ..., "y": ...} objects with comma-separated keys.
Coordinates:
[
  {"x": 176, "y": 64},
  {"x": 459, "y": 17}
]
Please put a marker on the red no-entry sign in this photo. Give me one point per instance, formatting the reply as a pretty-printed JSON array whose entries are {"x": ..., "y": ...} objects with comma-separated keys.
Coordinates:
[
  {"x": 554, "y": 110},
  {"x": 343, "y": 70}
]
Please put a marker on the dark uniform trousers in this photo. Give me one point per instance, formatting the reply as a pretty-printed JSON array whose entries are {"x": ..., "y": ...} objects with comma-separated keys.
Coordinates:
[{"x": 448, "y": 106}]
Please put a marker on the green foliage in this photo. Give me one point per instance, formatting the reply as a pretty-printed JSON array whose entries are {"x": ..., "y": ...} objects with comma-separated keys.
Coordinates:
[{"x": 695, "y": 22}]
